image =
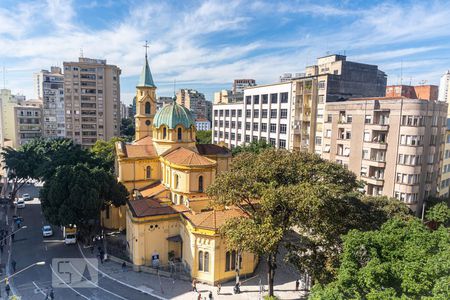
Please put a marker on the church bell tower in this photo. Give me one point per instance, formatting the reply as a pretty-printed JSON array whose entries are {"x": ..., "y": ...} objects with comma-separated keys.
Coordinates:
[{"x": 145, "y": 101}]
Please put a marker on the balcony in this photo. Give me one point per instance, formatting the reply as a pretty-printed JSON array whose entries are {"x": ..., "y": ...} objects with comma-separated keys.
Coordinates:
[
  {"x": 378, "y": 127},
  {"x": 375, "y": 162},
  {"x": 373, "y": 180},
  {"x": 375, "y": 145}
]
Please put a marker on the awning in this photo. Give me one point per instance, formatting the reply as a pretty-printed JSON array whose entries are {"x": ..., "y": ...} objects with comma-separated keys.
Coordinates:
[{"x": 175, "y": 238}]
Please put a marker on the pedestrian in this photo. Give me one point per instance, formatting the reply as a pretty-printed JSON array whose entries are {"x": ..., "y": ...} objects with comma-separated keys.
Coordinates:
[
  {"x": 194, "y": 285},
  {"x": 102, "y": 256},
  {"x": 7, "y": 289},
  {"x": 219, "y": 286},
  {"x": 12, "y": 236},
  {"x": 13, "y": 265},
  {"x": 297, "y": 284},
  {"x": 124, "y": 266},
  {"x": 1, "y": 247},
  {"x": 210, "y": 295},
  {"x": 52, "y": 294},
  {"x": 236, "y": 288},
  {"x": 199, "y": 296}
]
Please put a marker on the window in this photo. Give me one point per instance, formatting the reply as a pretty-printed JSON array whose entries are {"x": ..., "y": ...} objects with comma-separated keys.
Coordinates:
[
  {"x": 248, "y": 113},
  {"x": 200, "y": 183},
  {"x": 284, "y": 97},
  {"x": 148, "y": 172},
  {"x": 282, "y": 144},
  {"x": 233, "y": 113},
  {"x": 177, "y": 180},
  {"x": 206, "y": 262},
  {"x": 179, "y": 134},
  {"x": 349, "y": 118},
  {"x": 256, "y": 113},
  {"x": 239, "y": 125},
  {"x": 215, "y": 113},
  {"x": 247, "y": 138},
  {"x": 256, "y": 99},
  {"x": 239, "y": 113},
  {"x": 273, "y": 128},
  {"x": 318, "y": 140},
  {"x": 283, "y": 128},
  {"x": 368, "y": 119},
  {"x": 272, "y": 142},
  {"x": 247, "y": 125},
  {"x": 147, "y": 108},
  {"x": 322, "y": 84},
  {"x": 329, "y": 118},
  {"x": 264, "y": 113},
  {"x": 221, "y": 113},
  {"x": 200, "y": 260},
  {"x": 230, "y": 261},
  {"x": 273, "y": 113},
  {"x": 264, "y": 127},
  {"x": 254, "y": 138},
  {"x": 283, "y": 114},
  {"x": 273, "y": 98},
  {"x": 320, "y": 100},
  {"x": 248, "y": 99},
  {"x": 264, "y": 99},
  {"x": 255, "y": 126}
]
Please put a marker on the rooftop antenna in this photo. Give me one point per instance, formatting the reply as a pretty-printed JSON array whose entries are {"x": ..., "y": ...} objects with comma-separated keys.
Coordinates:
[
  {"x": 81, "y": 52},
  {"x": 146, "y": 46},
  {"x": 174, "y": 87}
]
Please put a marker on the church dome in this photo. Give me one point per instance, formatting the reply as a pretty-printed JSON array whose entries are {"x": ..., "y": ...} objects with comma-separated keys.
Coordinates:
[{"x": 173, "y": 115}]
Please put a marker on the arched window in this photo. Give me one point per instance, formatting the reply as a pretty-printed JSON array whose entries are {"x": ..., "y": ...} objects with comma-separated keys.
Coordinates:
[
  {"x": 147, "y": 108},
  {"x": 200, "y": 260},
  {"x": 200, "y": 183},
  {"x": 148, "y": 172},
  {"x": 177, "y": 181},
  {"x": 230, "y": 260},
  {"x": 164, "y": 132},
  {"x": 180, "y": 135},
  {"x": 206, "y": 262}
]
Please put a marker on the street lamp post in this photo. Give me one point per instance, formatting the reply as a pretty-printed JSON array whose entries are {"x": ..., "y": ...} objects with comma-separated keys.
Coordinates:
[{"x": 39, "y": 263}]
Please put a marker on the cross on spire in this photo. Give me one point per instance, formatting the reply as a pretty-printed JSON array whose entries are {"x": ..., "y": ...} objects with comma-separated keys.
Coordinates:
[{"x": 146, "y": 46}]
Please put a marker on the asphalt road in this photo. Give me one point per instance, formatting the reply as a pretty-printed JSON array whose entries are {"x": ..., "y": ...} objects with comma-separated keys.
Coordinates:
[{"x": 30, "y": 247}]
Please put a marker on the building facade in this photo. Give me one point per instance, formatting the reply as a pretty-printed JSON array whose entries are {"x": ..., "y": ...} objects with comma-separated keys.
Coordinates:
[
  {"x": 240, "y": 84},
  {"x": 426, "y": 92},
  {"x": 202, "y": 124},
  {"x": 49, "y": 87},
  {"x": 194, "y": 101},
  {"x": 395, "y": 145},
  {"x": 28, "y": 121},
  {"x": 92, "y": 100},
  {"x": 444, "y": 87},
  {"x": 168, "y": 219},
  {"x": 263, "y": 115}
]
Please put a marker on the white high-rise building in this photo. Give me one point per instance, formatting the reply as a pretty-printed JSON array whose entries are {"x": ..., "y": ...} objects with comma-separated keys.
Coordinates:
[
  {"x": 444, "y": 86},
  {"x": 49, "y": 87}
]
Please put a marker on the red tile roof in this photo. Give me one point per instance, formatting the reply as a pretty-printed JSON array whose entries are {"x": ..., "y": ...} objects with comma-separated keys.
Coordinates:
[
  {"x": 152, "y": 190},
  {"x": 212, "y": 219},
  {"x": 150, "y": 207},
  {"x": 186, "y": 157}
]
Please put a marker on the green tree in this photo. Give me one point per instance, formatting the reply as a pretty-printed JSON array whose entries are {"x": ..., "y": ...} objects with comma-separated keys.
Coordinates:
[
  {"x": 127, "y": 128},
  {"x": 77, "y": 193},
  {"x": 204, "y": 137},
  {"x": 278, "y": 190},
  {"x": 439, "y": 213},
  {"x": 402, "y": 260},
  {"x": 104, "y": 152},
  {"x": 22, "y": 165},
  {"x": 254, "y": 146}
]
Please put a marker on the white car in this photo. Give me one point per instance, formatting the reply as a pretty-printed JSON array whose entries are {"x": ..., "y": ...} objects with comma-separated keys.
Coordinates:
[
  {"x": 20, "y": 203},
  {"x": 26, "y": 197},
  {"x": 47, "y": 231},
  {"x": 70, "y": 239}
]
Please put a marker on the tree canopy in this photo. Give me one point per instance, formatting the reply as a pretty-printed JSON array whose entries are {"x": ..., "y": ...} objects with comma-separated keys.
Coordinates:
[
  {"x": 204, "y": 137},
  {"x": 104, "y": 152},
  {"x": 127, "y": 128},
  {"x": 402, "y": 260},
  {"x": 254, "y": 146}
]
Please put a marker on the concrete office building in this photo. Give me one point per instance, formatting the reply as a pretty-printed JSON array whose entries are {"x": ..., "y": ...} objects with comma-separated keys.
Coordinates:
[
  {"x": 289, "y": 76},
  {"x": 92, "y": 100},
  {"x": 8, "y": 124},
  {"x": 263, "y": 115},
  {"x": 393, "y": 144},
  {"x": 49, "y": 87},
  {"x": 444, "y": 96},
  {"x": 223, "y": 97},
  {"x": 202, "y": 124},
  {"x": 425, "y": 92}
]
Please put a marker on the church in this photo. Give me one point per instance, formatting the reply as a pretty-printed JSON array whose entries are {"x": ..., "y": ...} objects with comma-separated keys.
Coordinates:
[{"x": 168, "y": 217}]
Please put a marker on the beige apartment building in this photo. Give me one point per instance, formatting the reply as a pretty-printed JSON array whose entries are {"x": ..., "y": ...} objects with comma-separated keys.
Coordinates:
[
  {"x": 28, "y": 122},
  {"x": 91, "y": 100},
  {"x": 195, "y": 102},
  {"x": 395, "y": 145}
]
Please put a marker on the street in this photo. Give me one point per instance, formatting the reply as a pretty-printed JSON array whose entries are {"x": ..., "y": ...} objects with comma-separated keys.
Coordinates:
[{"x": 30, "y": 247}]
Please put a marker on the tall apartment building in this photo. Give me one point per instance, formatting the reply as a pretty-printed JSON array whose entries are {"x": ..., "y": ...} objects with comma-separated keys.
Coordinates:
[
  {"x": 444, "y": 87},
  {"x": 393, "y": 144},
  {"x": 8, "y": 125},
  {"x": 162, "y": 101},
  {"x": 263, "y": 115},
  {"x": 92, "y": 100},
  {"x": 194, "y": 101},
  {"x": 289, "y": 76},
  {"x": 240, "y": 84},
  {"x": 28, "y": 121},
  {"x": 49, "y": 87},
  {"x": 223, "y": 97}
]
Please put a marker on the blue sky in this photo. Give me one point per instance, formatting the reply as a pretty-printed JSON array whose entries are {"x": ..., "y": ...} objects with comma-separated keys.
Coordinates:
[{"x": 206, "y": 44}]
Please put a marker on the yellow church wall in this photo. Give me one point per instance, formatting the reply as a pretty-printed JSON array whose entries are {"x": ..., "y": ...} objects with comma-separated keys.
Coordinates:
[
  {"x": 151, "y": 237},
  {"x": 116, "y": 219},
  {"x": 132, "y": 173},
  {"x": 223, "y": 164}
]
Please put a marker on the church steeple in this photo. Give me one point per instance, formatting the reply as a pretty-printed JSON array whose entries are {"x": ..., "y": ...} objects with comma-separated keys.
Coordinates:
[{"x": 145, "y": 101}]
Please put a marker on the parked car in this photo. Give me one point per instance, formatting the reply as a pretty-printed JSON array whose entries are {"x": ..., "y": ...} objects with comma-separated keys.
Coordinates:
[
  {"x": 47, "y": 231},
  {"x": 26, "y": 197},
  {"x": 20, "y": 203}
]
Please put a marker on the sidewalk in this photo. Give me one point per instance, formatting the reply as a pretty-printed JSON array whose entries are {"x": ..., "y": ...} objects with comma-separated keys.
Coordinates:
[{"x": 180, "y": 290}]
